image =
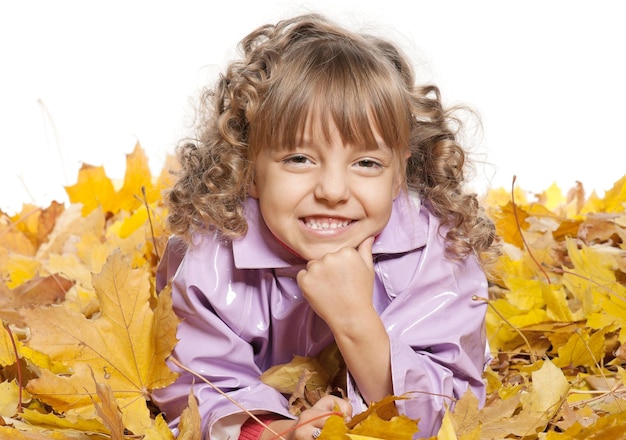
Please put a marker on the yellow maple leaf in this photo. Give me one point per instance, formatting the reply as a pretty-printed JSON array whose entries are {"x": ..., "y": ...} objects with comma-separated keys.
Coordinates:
[
  {"x": 552, "y": 198},
  {"x": 20, "y": 268},
  {"x": 447, "y": 431},
  {"x": 9, "y": 398},
  {"x": 549, "y": 390},
  {"x": 8, "y": 432},
  {"x": 502, "y": 332},
  {"x": 137, "y": 181},
  {"x": 584, "y": 348},
  {"x": 285, "y": 377},
  {"x": 189, "y": 427},
  {"x": 109, "y": 411},
  {"x": 397, "y": 428},
  {"x": 75, "y": 421},
  {"x": 36, "y": 223},
  {"x": 334, "y": 429},
  {"x": 13, "y": 238},
  {"x": 615, "y": 199},
  {"x": 592, "y": 278},
  {"x": 509, "y": 220},
  {"x": 501, "y": 196},
  {"x": 93, "y": 189},
  {"x": 7, "y": 352},
  {"x": 123, "y": 346},
  {"x": 159, "y": 430}
]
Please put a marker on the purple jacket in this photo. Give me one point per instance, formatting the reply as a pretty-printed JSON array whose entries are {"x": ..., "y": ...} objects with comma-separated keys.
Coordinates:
[{"x": 243, "y": 312}]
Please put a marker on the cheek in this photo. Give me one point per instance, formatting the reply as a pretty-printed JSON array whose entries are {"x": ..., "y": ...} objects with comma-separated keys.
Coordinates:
[{"x": 399, "y": 182}]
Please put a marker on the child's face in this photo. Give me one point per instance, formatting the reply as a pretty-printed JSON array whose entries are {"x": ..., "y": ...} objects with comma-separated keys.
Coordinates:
[{"x": 323, "y": 195}]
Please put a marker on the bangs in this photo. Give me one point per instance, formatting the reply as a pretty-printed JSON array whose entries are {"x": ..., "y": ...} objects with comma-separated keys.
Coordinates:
[{"x": 349, "y": 84}]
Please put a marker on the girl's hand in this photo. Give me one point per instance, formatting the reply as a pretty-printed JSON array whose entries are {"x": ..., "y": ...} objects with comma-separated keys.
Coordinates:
[
  {"x": 339, "y": 288},
  {"x": 314, "y": 418},
  {"x": 340, "y": 283}
]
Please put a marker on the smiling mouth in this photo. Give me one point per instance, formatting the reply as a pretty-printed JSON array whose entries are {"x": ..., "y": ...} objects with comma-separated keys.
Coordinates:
[{"x": 326, "y": 223}]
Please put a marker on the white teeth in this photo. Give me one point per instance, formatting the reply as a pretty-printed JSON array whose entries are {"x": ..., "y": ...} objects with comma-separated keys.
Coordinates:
[{"x": 326, "y": 224}]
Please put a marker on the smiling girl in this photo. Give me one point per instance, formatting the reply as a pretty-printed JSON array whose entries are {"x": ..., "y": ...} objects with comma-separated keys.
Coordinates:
[{"x": 323, "y": 203}]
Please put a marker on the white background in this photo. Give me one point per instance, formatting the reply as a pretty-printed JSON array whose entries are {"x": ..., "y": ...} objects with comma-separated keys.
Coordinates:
[{"x": 83, "y": 81}]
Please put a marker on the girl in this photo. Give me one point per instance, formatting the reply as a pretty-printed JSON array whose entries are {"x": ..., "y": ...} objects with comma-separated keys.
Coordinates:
[{"x": 321, "y": 203}]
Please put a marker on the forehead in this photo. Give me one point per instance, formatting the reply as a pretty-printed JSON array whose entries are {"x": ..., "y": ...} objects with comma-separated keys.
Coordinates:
[{"x": 320, "y": 128}]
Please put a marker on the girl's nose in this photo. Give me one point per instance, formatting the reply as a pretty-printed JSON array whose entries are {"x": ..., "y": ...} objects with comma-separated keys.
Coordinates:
[{"x": 332, "y": 186}]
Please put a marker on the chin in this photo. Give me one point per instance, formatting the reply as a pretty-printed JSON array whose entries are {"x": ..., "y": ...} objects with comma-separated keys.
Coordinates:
[{"x": 322, "y": 252}]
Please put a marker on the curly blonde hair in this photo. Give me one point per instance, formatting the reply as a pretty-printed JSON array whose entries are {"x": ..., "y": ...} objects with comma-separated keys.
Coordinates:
[{"x": 364, "y": 84}]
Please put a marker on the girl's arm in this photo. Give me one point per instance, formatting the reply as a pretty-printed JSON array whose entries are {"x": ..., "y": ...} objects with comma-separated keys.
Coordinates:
[{"x": 339, "y": 287}]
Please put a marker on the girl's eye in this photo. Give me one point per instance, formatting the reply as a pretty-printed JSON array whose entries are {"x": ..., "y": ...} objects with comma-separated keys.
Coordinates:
[
  {"x": 296, "y": 159},
  {"x": 368, "y": 163}
]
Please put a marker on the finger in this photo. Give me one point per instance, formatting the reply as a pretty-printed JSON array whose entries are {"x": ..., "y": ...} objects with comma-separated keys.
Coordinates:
[
  {"x": 345, "y": 408},
  {"x": 332, "y": 403},
  {"x": 365, "y": 251},
  {"x": 316, "y": 432}
]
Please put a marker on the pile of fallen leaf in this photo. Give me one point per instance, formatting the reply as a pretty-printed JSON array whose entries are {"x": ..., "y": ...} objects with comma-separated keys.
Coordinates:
[{"x": 85, "y": 338}]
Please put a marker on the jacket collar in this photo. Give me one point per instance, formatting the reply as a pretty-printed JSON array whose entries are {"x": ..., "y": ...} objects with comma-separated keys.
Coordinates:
[{"x": 258, "y": 249}]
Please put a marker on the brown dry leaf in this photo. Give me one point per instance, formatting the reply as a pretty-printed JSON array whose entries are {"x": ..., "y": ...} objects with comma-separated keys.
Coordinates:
[
  {"x": 37, "y": 223},
  {"x": 38, "y": 291},
  {"x": 600, "y": 229},
  {"x": 299, "y": 400}
]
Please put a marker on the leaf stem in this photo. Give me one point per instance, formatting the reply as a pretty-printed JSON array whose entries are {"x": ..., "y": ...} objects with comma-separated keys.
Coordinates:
[
  {"x": 519, "y": 229},
  {"x": 216, "y": 388},
  {"x": 145, "y": 201},
  {"x": 17, "y": 366},
  {"x": 533, "y": 358}
]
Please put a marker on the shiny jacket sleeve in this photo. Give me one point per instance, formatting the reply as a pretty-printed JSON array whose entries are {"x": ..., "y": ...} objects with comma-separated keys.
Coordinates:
[
  {"x": 436, "y": 329},
  {"x": 209, "y": 340}
]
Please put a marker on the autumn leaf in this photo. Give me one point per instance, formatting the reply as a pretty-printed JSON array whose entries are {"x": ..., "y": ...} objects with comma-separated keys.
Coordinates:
[
  {"x": 124, "y": 346},
  {"x": 93, "y": 189},
  {"x": 189, "y": 426},
  {"x": 9, "y": 398},
  {"x": 36, "y": 291},
  {"x": 286, "y": 377},
  {"x": 108, "y": 410}
]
